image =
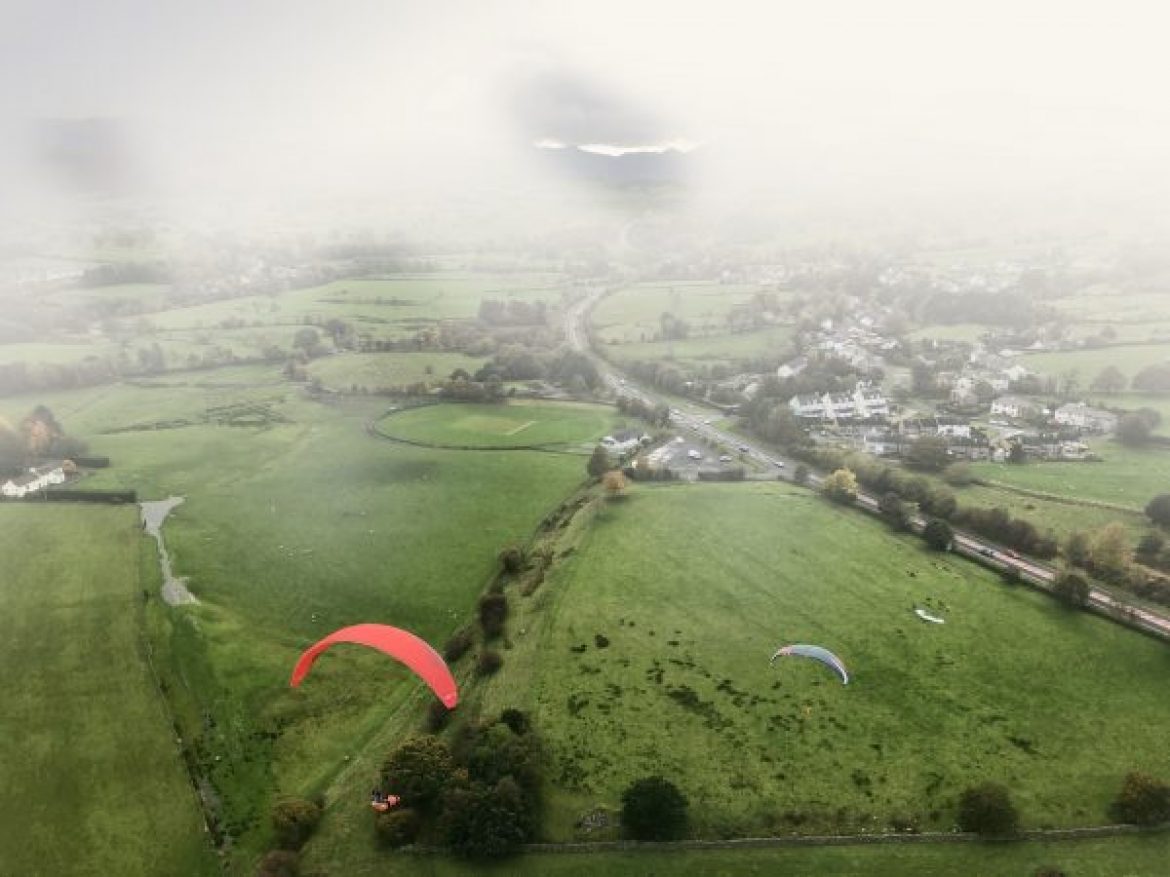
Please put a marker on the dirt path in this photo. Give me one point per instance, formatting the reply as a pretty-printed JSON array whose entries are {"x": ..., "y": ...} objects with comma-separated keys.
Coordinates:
[{"x": 174, "y": 588}]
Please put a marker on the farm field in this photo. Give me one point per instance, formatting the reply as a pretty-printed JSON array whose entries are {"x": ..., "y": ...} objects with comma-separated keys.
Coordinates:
[
  {"x": 290, "y": 529},
  {"x": 91, "y": 782},
  {"x": 711, "y": 349},
  {"x": 567, "y": 424},
  {"x": 373, "y": 370},
  {"x": 951, "y": 332},
  {"x": 391, "y": 307},
  {"x": 1130, "y": 856},
  {"x": 632, "y": 314},
  {"x": 1128, "y": 476},
  {"x": 680, "y": 683},
  {"x": 1130, "y": 359}
]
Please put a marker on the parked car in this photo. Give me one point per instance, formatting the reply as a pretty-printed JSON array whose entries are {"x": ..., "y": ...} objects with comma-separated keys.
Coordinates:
[
  {"x": 694, "y": 455},
  {"x": 779, "y": 464},
  {"x": 987, "y": 552},
  {"x": 743, "y": 449},
  {"x": 724, "y": 459}
]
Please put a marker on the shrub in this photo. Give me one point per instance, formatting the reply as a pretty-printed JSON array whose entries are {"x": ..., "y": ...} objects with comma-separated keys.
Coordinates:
[
  {"x": 458, "y": 645},
  {"x": 654, "y": 809},
  {"x": 938, "y": 534},
  {"x": 493, "y": 609},
  {"x": 1143, "y": 800},
  {"x": 958, "y": 475},
  {"x": 483, "y": 821},
  {"x": 841, "y": 486},
  {"x": 489, "y": 662},
  {"x": 511, "y": 559},
  {"x": 279, "y": 863},
  {"x": 987, "y": 809},
  {"x": 293, "y": 820},
  {"x": 437, "y": 717},
  {"x": 418, "y": 771},
  {"x": 800, "y": 474},
  {"x": 517, "y": 721},
  {"x": 1010, "y": 574},
  {"x": 1158, "y": 509},
  {"x": 397, "y": 827},
  {"x": 1071, "y": 589},
  {"x": 1150, "y": 546}
]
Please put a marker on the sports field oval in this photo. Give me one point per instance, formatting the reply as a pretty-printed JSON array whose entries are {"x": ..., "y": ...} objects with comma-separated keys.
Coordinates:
[{"x": 504, "y": 425}]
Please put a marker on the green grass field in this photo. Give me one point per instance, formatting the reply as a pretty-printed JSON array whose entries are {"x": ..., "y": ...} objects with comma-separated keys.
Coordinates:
[
  {"x": 296, "y": 528},
  {"x": 570, "y": 425},
  {"x": 724, "y": 349},
  {"x": 1128, "y": 476},
  {"x": 373, "y": 370},
  {"x": 90, "y": 777},
  {"x": 694, "y": 588},
  {"x": 951, "y": 332},
  {"x": 1113, "y": 857},
  {"x": 632, "y": 314},
  {"x": 1130, "y": 359}
]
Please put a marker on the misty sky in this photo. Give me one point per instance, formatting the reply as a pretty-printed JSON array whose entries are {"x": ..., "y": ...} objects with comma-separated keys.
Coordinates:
[{"x": 437, "y": 99}]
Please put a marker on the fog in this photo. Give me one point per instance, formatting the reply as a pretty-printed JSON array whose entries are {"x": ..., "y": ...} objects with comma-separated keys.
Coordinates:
[{"x": 442, "y": 115}]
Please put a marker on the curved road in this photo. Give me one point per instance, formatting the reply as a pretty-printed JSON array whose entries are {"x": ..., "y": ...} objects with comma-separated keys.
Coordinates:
[{"x": 975, "y": 548}]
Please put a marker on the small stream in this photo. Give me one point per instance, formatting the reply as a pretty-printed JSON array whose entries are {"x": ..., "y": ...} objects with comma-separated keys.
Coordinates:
[{"x": 174, "y": 588}]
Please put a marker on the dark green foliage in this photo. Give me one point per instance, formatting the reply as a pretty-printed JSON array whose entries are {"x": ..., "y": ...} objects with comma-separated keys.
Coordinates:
[
  {"x": 800, "y": 473},
  {"x": 1150, "y": 547},
  {"x": 496, "y": 752},
  {"x": 654, "y": 809},
  {"x": 1077, "y": 549},
  {"x": 938, "y": 534},
  {"x": 397, "y": 827},
  {"x": 598, "y": 463},
  {"x": 987, "y": 809},
  {"x": 894, "y": 511},
  {"x": 493, "y": 610},
  {"x": 457, "y": 646},
  {"x": 489, "y": 662},
  {"x": 512, "y": 559},
  {"x": 487, "y": 821},
  {"x": 437, "y": 717},
  {"x": 1158, "y": 509},
  {"x": 279, "y": 863},
  {"x": 293, "y": 821},
  {"x": 418, "y": 771},
  {"x": 1143, "y": 800},
  {"x": 928, "y": 453},
  {"x": 1153, "y": 379},
  {"x": 1048, "y": 871},
  {"x": 1133, "y": 429},
  {"x": 1010, "y": 574},
  {"x": 516, "y": 721},
  {"x": 1072, "y": 589}
]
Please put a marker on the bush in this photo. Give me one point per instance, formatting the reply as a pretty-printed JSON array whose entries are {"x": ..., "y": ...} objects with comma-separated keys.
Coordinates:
[
  {"x": 493, "y": 610},
  {"x": 938, "y": 534},
  {"x": 418, "y": 771},
  {"x": 654, "y": 809},
  {"x": 487, "y": 821},
  {"x": 987, "y": 809},
  {"x": 511, "y": 559},
  {"x": 1071, "y": 589},
  {"x": 489, "y": 662},
  {"x": 279, "y": 863},
  {"x": 800, "y": 474},
  {"x": 1143, "y": 800},
  {"x": 841, "y": 486},
  {"x": 458, "y": 645},
  {"x": 517, "y": 721},
  {"x": 1158, "y": 509},
  {"x": 1010, "y": 574},
  {"x": 293, "y": 820},
  {"x": 437, "y": 717},
  {"x": 397, "y": 827}
]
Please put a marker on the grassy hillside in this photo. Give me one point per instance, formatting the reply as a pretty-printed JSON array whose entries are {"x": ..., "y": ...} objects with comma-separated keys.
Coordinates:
[
  {"x": 90, "y": 777},
  {"x": 694, "y": 588}
]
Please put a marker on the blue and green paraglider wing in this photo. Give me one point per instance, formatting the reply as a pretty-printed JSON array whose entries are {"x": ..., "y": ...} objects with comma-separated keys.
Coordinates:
[{"x": 816, "y": 653}]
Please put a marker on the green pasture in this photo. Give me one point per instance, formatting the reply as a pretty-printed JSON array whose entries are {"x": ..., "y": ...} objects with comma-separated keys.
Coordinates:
[
  {"x": 505, "y": 425},
  {"x": 632, "y": 315},
  {"x": 695, "y": 587},
  {"x": 951, "y": 332},
  {"x": 1128, "y": 476},
  {"x": 711, "y": 349},
  {"x": 1108, "y": 305},
  {"x": 373, "y": 370},
  {"x": 289, "y": 530},
  {"x": 391, "y": 307},
  {"x": 1088, "y": 363},
  {"x": 90, "y": 777},
  {"x": 1144, "y": 856}
]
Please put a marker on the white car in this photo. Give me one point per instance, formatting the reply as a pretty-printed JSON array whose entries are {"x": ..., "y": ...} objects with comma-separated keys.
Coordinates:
[
  {"x": 779, "y": 464},
  {"x": 694, "y": 455},
  {"x": 725, "y": 459}
]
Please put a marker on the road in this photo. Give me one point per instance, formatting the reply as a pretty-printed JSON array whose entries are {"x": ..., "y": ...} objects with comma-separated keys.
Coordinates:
[{"x": 699, "y": 423}]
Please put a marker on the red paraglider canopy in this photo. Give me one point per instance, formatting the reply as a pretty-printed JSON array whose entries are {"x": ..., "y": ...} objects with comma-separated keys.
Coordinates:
[{"x": 406, "y": 647}]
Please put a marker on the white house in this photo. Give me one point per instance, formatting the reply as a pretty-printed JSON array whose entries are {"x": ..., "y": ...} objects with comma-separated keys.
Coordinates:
[
  {"x": 1081, "y": 416},
  {"x": 863, "y": 402},
  {"x": 624, "y": 442},
  {"x": 792, "y": 368},
  {"x": 33, "y": 480},
  {"x": 1014, "y": 406},
  {"x": 954, "y": 430}
]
